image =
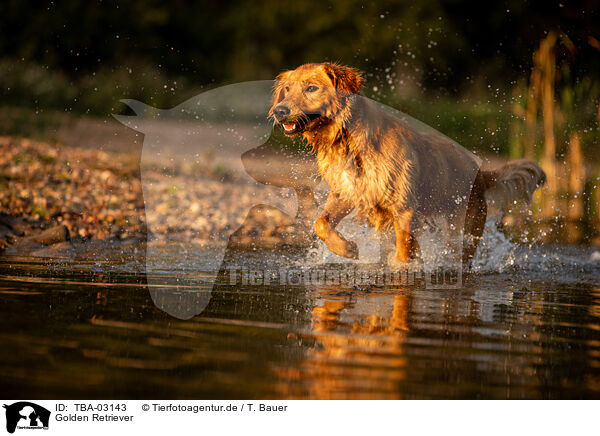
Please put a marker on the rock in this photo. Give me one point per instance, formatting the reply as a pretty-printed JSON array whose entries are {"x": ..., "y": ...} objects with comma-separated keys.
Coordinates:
[
  {"x": 6, "y": 233},
  {"x": 61, "y": 249},
  {"x": 16, "y": 224},
  {"x": 24, "y": 247},
  {"x": 51, "y": 236}
]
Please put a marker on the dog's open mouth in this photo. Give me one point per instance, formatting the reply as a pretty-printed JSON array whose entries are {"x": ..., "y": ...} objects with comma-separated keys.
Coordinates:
[{"x": 292, "y": 127}]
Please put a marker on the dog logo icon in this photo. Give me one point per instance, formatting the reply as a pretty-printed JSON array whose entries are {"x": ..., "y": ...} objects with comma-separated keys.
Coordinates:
[
  {"x": 223, "y": 123},
  {"x": 26, "y": 415}
]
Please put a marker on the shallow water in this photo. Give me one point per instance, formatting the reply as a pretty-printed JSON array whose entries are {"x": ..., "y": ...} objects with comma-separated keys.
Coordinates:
[{"x": 525, "y": 325}]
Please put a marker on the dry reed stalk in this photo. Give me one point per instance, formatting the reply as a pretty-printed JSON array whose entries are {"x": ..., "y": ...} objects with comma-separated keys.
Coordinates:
[
  {"x": 576, "y": 175},
  {"x": 545, "y": 60}
]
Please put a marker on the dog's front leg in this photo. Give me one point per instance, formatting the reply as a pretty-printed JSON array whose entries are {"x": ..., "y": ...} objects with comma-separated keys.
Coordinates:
[
  {"x": 405, "y": 242},
  {"x": 335, "y": 211}
]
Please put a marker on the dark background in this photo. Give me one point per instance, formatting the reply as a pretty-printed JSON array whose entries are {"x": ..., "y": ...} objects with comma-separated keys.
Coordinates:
[
  {"x": 442, "y": 61},
  {"x": 452, "y": 43}
]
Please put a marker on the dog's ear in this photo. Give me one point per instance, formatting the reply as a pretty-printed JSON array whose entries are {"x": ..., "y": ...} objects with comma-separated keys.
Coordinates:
[
  {"x": 278, "y": 89},
  {"x": 344, "y": 78}
]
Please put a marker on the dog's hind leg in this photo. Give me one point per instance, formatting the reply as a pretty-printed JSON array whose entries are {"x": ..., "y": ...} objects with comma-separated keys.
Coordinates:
[
  {"x": 405, "y": 241},
  {"x": 474, "y": 223},
  {"x": 335, "y": 211}
]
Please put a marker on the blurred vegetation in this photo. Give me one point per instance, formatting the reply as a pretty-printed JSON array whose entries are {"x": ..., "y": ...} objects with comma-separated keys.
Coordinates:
[{"x": 459, "y": 66}]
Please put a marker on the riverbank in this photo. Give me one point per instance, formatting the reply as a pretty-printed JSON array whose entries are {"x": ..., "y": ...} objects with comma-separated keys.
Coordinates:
[{"x": 51, "y": 194}]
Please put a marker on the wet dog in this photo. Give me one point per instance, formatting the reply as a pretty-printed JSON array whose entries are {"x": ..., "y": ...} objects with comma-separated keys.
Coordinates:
[{"x": 392, "y": 174}]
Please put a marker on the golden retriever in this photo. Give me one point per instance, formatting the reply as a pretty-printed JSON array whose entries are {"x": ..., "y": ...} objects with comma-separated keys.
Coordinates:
[{"x": 390, "y": 173}]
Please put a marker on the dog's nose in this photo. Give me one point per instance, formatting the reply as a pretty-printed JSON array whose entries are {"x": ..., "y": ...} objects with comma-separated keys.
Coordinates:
[{"x": 281, "y": 112}]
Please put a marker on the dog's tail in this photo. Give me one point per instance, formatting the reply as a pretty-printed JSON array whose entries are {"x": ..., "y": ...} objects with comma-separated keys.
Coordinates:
[{"x": 515, "y": 181}]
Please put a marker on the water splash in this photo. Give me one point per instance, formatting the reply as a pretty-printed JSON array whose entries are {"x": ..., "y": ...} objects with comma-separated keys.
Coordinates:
[{"x": 496, "y": 252}]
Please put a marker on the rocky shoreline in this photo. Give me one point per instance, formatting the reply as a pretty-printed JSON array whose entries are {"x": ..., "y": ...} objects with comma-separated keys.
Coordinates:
[
  {"x": 60, "y": 197},
  {"x": 51, "y": 194}
]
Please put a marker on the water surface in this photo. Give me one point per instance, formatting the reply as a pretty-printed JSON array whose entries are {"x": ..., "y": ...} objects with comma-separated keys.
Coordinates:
[{"x": 87, "y": 328}]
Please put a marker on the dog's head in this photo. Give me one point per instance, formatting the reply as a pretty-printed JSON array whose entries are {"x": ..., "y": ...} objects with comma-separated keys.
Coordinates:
[{"x": 305, "y": 98}]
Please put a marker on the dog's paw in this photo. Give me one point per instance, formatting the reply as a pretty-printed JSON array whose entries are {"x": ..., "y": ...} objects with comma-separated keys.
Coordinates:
[
  {"x": 398, "y": 262},
  {"x": 351, "y": 250},
  {"x": 341, "y": 246},
  {"x": 344, "y": 248}
]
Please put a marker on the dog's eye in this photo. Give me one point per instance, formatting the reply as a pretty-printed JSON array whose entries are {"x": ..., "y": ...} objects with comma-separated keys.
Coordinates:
[
  {"x": 311, "y": 88},
  {"x": 287, "y": 88}
]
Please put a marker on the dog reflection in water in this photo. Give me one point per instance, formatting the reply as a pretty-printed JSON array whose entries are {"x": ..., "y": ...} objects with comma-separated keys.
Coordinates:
[{"x": 371, "y": 345}]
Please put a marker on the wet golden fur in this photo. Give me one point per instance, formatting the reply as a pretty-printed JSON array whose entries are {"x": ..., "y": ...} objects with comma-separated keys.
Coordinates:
[{"x": 375, "y": 163}]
